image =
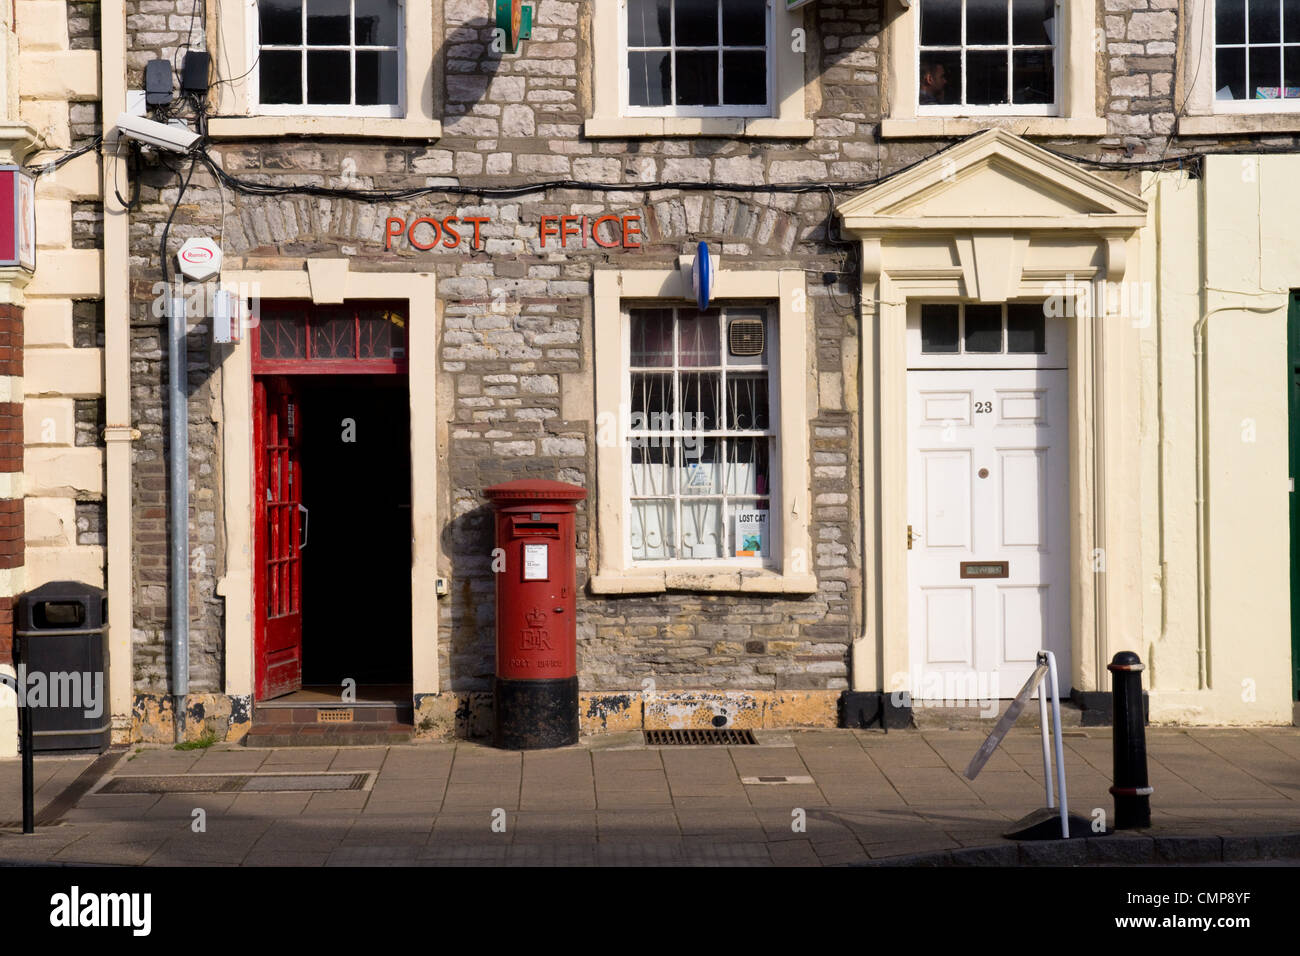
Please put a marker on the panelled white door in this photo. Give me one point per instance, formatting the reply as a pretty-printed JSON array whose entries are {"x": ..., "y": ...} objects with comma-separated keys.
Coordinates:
[{"x": 988, "y": 572}]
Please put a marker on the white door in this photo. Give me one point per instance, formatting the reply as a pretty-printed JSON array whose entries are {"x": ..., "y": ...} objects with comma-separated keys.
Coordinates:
[{"x": 988, "y": 577}]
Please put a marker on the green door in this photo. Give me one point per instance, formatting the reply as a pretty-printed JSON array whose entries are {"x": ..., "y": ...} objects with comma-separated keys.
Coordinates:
[{"x": 1293, "y": 386}]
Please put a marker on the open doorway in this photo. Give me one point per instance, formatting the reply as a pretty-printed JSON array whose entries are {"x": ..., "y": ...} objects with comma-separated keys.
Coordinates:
[{"x": 356, "y": 559}]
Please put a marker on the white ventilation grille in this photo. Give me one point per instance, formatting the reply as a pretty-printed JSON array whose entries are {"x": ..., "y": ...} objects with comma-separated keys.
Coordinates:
[{"x": 746, "y": 337}]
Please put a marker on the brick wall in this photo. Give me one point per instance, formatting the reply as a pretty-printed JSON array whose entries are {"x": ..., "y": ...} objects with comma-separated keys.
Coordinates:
[{"x": 11, "y": 463}]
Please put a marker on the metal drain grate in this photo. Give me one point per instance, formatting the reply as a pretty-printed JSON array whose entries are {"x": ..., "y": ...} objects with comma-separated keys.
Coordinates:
[
  {"x": 337, "y": 715},
  {"x": 726, "y": 737},
  {"x": 236, "y": 783}
]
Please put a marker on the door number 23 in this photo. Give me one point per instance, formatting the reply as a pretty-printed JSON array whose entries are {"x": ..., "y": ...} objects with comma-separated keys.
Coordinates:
[{"x": 983, "y": 408}]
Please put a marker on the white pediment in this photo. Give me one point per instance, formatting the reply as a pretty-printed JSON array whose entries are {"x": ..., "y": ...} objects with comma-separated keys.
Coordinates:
[{"x": 994, "y": 180}]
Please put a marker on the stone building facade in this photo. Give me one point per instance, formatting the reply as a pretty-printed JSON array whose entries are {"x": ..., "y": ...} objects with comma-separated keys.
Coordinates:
[{"x": 304, "y": 212}]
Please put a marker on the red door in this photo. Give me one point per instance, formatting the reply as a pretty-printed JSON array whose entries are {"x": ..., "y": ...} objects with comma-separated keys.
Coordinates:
[{"x": 279, "y": 544}]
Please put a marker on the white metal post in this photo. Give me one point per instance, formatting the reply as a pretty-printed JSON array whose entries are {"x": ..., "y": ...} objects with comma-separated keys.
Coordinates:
[{"x": 1060, "y": 745}]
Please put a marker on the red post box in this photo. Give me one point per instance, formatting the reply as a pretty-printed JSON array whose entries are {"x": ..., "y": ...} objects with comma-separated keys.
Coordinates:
[{"x": 536, "y": 687}]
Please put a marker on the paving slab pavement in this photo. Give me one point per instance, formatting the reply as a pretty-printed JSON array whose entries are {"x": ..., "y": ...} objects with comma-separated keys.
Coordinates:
[{"x": 854, "y": 797}]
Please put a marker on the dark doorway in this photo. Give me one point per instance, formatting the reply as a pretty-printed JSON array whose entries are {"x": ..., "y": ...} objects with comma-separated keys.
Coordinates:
[{"x": 356, "y": 564}]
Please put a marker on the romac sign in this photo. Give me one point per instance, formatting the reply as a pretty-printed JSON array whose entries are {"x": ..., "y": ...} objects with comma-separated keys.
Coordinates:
[{"x": 199, "y": 259}]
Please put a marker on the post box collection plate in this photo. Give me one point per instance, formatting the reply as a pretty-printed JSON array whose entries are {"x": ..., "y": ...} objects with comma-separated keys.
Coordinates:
[
  {"x": 985, "y": 569},
  {"x": 535, "y": 562}
]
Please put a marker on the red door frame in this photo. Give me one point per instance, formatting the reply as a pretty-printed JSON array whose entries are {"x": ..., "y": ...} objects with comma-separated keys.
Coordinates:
[{"x": 274, "y": 373}]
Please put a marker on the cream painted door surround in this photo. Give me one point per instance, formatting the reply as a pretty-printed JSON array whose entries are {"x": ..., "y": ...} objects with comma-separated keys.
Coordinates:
[{"x": 996, "y": 219}]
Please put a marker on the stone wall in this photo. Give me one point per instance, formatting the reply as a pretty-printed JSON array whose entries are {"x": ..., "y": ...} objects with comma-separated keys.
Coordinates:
[{"x": 516, "y": 320}]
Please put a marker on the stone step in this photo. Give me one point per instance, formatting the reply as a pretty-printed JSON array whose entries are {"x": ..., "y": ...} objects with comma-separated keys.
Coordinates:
[
  {"x": 979, "y": 718},
  {"x": 343, "y": 734},
  {"x": 365, "y": 713}
]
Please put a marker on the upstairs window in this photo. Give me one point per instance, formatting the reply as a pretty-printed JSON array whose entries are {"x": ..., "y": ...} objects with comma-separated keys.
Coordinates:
[
  {"x": 992, "y": 56},
  {"x": 1257, "y": 54},
  {"x": 335, "y": 57},
  {"x": 697, "y": 57}
]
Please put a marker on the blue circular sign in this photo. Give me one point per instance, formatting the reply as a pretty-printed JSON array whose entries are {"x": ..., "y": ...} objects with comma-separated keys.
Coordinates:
[{"x": 702, "y": 275}]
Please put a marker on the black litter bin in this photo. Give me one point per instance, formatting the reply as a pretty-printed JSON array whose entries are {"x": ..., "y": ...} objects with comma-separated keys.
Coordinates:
[{"x": 59, "y": 644}]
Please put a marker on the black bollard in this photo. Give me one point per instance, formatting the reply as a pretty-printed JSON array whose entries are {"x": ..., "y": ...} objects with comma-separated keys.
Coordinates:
[
  {"x": 1131, "y": 791},
  {"x": 25, "y": 735}
]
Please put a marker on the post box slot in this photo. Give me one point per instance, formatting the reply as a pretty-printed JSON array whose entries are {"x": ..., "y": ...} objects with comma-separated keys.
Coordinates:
[{"x": 535, "y": 529}]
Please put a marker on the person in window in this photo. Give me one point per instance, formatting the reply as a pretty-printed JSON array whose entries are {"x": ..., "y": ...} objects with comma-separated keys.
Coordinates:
[{"x": 934, "y": 77}]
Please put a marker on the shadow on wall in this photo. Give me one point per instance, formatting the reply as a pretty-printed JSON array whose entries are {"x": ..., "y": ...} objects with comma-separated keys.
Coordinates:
[{"x": 471, "y": 652}]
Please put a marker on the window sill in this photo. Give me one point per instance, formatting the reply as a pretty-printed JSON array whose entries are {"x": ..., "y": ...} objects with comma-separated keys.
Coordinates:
[
  {"x": 387, "y": 127},
  {"x": 626, "y": 127},
  {"x": 747, "y": 580},
  {"x": 930, "y": 126},
  {"x": 1222, "y": 124}
]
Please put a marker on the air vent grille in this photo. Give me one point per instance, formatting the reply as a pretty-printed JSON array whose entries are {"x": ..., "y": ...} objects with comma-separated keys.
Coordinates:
[{"x": 746, "y": 337}]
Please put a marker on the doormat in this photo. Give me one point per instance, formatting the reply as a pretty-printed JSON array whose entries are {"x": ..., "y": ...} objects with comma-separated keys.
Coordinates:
[{"x": 237, "y": 783}]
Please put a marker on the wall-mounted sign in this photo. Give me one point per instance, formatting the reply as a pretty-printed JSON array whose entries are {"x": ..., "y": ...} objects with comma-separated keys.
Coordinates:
[
  {"x": 17, "y": 218},
  {"x": 607, "y": 232},
  {"x": 199, "y": 258},
  {"x": 702, "y": 276},
  {"x": 515, "y": 21}
]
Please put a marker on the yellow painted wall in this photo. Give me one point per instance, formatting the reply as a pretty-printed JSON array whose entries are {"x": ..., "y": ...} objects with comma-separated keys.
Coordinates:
[{"x": 1224, "y": 254}]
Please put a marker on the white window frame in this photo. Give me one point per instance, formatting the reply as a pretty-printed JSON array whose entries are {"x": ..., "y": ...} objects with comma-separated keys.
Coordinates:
[
  {"x": 625, "y": 79},
  {"x": 784, "y": 117},
  {"x": 790, "y": 499},
  {"x": 1000, "y": 109},
  {"x": 237, "y": 113},
  {"x": 772, "y": 368},
  {"x": 1074, "y": 114},
  {"x": 1279, "y": 105},
  {"x": 327, "y": 109}
]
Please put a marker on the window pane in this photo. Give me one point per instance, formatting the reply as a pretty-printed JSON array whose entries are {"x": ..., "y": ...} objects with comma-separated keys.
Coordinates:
[
  {"x": 1029, "y": 20},
  {"x": 382, "y": 333},
  {"x": 652, "y": 401},
  {"x": 650, "y": 79},
  {"x": 376, "y": 77},
  {"x": 701, "y": 466},
  {"x": 1034, "y": 80},
  {"x": 744, "y": 22},
  {"x": 281, "y": 21},
  {"x": 747, "y": 402},
  {"x": 986, "y": 78},
  {"x": 1025, "y": 328},
  {"x": 329, "y": 76},
  {"x": 376, "y": 22},
  {"x": 652, "y": 337},
  {"x": 940, "y": 22},
  {"x": 652, "y": 466},
  {"x": 327, "y": 23},
  {"x": 280, "y": 73},
  {"x": 986, "y": 22},
  {"x": 697, "y": 339},
  {"x": 701, "y": 392},
  {"x": 1265, "y": 21},
  {"x": 697, "y": 78},
  {"x": 649, "y": 22},
  {"x": 747, "y": 466},
  {"x": 702, "y": 529},
  {"x": 983, "y": 328},
  {"x": 1230, "y": 70},
  {"x": 282, "y": 336},
  {"x": 1291, "y": 71},
  {"x": 1230, "y": 21},
  {"x": 652, "y": 536},
  {"x": 939, "y": 328},
  {"x": 940, "y": 79},
  {"x": 1265, "y": 73},
  {"x": 333, "y": 334},
  {"x": 697, "y": 23},
  {"x": 744, "y": 78},
  {"x": 1291, "y": 22}
]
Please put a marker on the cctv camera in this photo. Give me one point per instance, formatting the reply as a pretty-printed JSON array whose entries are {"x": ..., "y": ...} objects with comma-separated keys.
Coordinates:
[{"x": 175, "y": 139}]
